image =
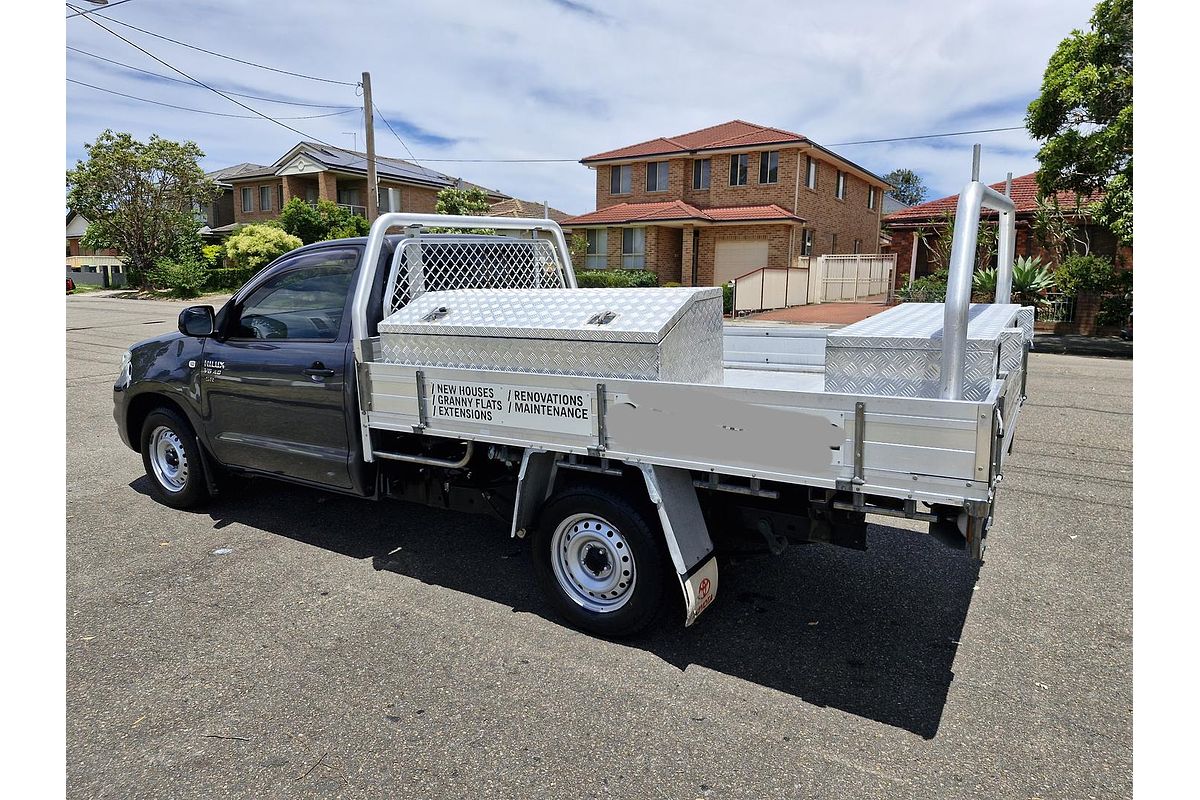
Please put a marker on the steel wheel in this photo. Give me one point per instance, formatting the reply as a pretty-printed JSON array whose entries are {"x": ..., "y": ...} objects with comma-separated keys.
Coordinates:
[
  {"x": 168, "y": 458},
  {"x": 593, "y": 563}
]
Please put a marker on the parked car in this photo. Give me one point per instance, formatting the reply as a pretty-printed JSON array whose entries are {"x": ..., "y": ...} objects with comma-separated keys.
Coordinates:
[{"x": 70, "y": 285}]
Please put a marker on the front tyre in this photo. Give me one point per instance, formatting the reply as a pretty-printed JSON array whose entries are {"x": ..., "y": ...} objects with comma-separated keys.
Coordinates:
[
  {"x": 171, "y": 457},
  {"x": 601, "y": 561}
]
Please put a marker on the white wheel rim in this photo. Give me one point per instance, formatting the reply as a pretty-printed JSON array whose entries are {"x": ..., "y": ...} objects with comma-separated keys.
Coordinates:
[
  {"x": 168, "y": 459},
  {"x": 593, "y": 563}
]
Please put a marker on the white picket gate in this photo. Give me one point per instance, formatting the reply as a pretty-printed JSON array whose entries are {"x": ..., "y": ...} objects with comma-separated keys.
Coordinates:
[{"x": 855, "y": 278}]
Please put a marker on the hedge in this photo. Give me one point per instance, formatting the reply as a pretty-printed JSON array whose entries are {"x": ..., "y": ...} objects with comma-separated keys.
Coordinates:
[{"x": 616, "y": 278}]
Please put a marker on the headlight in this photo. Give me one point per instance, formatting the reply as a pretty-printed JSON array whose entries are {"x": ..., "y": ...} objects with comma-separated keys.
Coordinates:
[{"x": 126, "y": 370}]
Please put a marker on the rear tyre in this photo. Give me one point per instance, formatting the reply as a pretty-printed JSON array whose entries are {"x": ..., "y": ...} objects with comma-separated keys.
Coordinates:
[
  {"x": 601, "y": 561},
  {"x": 171, "y": 456}
]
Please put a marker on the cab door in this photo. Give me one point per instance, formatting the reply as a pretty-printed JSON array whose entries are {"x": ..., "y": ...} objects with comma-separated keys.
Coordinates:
[{"x": 274, "y": 380}]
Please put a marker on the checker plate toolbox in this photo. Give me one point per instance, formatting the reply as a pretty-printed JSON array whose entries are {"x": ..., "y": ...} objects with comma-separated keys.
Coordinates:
[
  {"x": 645, "y": 334},
  {"x": 899, "y": 351}
]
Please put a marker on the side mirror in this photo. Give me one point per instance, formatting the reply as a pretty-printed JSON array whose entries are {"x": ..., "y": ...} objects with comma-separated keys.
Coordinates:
[{"x": 197, "y": 321}]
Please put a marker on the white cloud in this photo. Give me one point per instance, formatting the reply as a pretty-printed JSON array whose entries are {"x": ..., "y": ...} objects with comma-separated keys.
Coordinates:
[{"x": 536, "y": 79}]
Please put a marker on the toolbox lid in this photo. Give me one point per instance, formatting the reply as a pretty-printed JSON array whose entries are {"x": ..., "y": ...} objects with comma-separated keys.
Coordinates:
[
  {"x": 918, "y": 326},
  {"x": 618, "y": 315}
]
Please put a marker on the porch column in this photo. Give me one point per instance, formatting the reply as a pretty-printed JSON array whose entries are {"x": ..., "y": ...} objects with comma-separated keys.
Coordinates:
[
  {"x": 327, "y": 186},
  {"x": 685, "y": 260},
  {"x": 292, "y": 187},
  {"x": 912, "y": 263}
]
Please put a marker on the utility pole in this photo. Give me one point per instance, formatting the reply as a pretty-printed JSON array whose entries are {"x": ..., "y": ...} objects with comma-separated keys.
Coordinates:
[{"x": 372, "y": 178}]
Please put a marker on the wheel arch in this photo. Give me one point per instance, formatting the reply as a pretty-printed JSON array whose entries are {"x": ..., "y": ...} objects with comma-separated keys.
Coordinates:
[{"x": 143, "y": 405}]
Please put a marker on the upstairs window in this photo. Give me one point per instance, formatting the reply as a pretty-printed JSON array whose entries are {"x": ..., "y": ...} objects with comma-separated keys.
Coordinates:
[
  {"x": 768, "y": 167},
  {"x": 701, "y": 173},
  {"x": 247, "y": 199},
  {"x": 739, "y": 169},
  {"x": 633, "y": 248},
  {"x": 840, "y": 192},
  {"x": 264, "y": 198},
  {"x": 871, "y": 197},
  {"x": 621, "y": 180},
  {"x": 857, "y": 246},
  {"x": 656, "y": 176},
  {"x": 597, "y": 248},
  {"x": 810, "y": 173}
]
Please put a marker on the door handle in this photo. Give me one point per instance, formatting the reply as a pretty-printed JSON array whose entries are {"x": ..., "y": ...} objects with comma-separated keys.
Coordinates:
[{"x": 317, "y": 370}]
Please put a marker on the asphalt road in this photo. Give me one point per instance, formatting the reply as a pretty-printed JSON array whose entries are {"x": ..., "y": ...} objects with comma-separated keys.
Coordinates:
[{"x": 288, "y": 643}]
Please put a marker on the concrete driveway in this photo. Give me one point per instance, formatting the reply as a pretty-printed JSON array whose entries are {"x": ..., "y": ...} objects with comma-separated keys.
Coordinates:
[{"x": 288, "y": 643}]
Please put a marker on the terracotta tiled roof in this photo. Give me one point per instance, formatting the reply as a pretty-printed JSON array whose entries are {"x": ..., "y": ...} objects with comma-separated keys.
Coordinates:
[
  {"x": 675, "y": 210},
  {"x": 735, "y": 133},
  {"x": 1024, "y": 195},
  {"x": 525, "y": 209}
]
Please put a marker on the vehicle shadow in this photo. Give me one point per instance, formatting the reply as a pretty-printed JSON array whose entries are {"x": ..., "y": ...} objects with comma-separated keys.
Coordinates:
[{"x": 870, "y": 633}]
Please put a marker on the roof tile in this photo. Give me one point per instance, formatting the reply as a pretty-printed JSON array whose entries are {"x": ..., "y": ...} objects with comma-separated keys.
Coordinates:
[
  {"x": 1024, "y": 195},
  {"x": 675, "y": 210},
  {"x": 735, "y": 133}
]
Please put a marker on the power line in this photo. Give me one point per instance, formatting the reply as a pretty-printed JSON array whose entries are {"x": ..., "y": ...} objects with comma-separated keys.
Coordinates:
[
  {"x": 390, "y": 128},
  {"x": 160, "y": 76},
  {"x": 95, "y": 13},
  {"x": 94, "y": 10},
  {"x": 929, "y": 136},
  {"x": 198, "y": 110},
  {"x": 92, "y": 18}
]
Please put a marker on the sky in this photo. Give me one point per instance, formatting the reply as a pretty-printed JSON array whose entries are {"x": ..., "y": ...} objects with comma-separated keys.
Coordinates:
[{"x": 563, "y": 79}]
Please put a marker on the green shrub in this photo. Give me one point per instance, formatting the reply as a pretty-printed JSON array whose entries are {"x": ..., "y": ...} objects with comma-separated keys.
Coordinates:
[
  {"x": 727, "y": 293},
  {"x": 325, "y": 220},
  {"x": 183, "y": 278},
  {"x": 1115, "y": 310},
  {"x": 616, "y": 278},
  {"x": 228, "y": 278},
  {"x": 213, "y": 255},
  {"x": 1030, "y": 282},
  {"x": 983, "y": 285},
  {"x": 672, "y": 285},
  {"x": 1079, "y": 274},
  {"x": 927, "y": 289},
  {"x": 254, "y": 246}
]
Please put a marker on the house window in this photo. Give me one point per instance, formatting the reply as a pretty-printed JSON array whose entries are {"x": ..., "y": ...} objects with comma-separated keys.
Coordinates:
[
  {"x": 768, "y": 167},
  {"x": 806, "y": 243},
  {"x": 832, "y": 243},
  {"x": 348, "y": 197},
  {"x": 597, "y": 248},
  {"x": 810, "y": 173},
  {"x": 264, "y": 198},
  {"x": 247, "y": 199},
  {"x": 701, "y": 173},
  {"x": 840, "y": 192},
  {"x": 739, "y": 169},
  {"x": 656, "y": 176},
  {"x": 857, "y": 246},
  {"x": 310, "y": 194},
  {"x": 633, "y": 248},
  {"x": 389, "y": 199},
  {"x": 621, "y": 180},
  {"x": 280, "y": 195},
  {"x": 871, "y": 197}
]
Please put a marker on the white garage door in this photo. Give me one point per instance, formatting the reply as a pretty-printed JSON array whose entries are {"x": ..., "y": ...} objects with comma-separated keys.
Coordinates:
[{"x": 735, "y": 259}]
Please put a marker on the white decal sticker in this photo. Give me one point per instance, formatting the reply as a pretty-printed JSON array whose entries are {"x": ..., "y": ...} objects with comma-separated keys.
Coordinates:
[{"x": 557, "y": 410}]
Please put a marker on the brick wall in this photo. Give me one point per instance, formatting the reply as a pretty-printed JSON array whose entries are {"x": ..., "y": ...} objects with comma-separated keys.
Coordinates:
[
  {"x": 75, "y": 249},
  {"x": 256, "y": 213},
  {"x": 849, "y": 218}
]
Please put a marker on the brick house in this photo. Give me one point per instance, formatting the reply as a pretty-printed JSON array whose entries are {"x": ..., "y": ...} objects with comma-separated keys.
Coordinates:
[
  {"x": 708, "y": 206},
  {"x": 928, "y": 219},
  {"x": 312, "y": 172},
  {"x": 85, "y": 265}
]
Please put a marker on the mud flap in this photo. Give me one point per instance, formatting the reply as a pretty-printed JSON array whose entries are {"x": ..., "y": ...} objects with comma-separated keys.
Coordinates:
[
  {"x": 674, "y": 496},
  {"x": 700, "y": 589}
]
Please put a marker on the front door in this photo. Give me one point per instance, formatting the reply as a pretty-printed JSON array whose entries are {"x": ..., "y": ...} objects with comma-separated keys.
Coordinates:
[{"x": 275, "y": 385}]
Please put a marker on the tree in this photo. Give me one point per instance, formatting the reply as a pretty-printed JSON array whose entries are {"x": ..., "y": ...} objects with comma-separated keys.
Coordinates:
[
  {"x": 252, "y": 247},
  {"x": 908, "y": 187},
  {"x": 1084, "y": 116},
  {"x": 471, "y": 202},
  {"x": 140, "y": 197},
  {"x": 327, "y": 220}
]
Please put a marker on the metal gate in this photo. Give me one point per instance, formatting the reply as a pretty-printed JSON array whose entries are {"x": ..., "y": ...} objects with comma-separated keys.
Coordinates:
[{"x": 861, "y": 278}]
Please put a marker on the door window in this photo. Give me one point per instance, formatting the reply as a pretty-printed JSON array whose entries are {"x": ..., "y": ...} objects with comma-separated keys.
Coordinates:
[{"x": 305, "y": 301}]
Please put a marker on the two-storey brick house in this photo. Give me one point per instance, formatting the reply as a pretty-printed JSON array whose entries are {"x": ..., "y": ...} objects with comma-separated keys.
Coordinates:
[
  {"x": 312, "y": 172},
  {"x": 708, "y": 206}
]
